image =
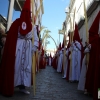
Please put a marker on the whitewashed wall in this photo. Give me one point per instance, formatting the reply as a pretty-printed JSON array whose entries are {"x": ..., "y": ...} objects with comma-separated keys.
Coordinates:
[
  {"x": 82, "y": 30},
  {"x": 80, "y": 14}
]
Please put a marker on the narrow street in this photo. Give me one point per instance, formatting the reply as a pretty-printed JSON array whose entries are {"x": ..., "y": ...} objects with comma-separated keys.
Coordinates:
[{"x": 50, "y": 86}]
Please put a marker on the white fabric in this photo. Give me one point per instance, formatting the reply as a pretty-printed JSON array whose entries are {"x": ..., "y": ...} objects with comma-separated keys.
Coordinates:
[
  {"x": 66, "y": 63},
  {"x": 76, "y": 62},
  {"x": 59, "y": 66},
  {"x": 81, "y": 84},
  {"x": 23, "y": 62},
  {"x": 49, "y": 61},
  {"x": 99, "y": 27}
]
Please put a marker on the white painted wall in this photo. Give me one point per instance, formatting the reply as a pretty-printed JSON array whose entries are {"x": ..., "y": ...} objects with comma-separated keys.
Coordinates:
[
  {"x": 82, "y": 31},
  {"x": 80, "y": 14}
]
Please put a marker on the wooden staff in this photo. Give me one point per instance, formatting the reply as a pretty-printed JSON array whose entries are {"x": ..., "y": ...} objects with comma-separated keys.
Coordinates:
[
  {"x": 87, "y": 36},
  {"x": 71, "y": 37},
  {"x": 37, "y": 63},
  {"x": 33, "y": 59},
  {"x": 64, "y": 48}
]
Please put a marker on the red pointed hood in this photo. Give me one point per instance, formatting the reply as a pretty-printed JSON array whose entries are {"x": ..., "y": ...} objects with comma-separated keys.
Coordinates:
[
  {"x": 76, "y": 34},
  {"x": 50, "y": 55},
  {"x": 39, "y": 45},
  {"x": 42, "y": 51},
  {"x": 63, "y": 43},
  {"x": 60, "y": 46},
  {"x": 25, "y": 19},
  {"x": 94, "y": 29}
]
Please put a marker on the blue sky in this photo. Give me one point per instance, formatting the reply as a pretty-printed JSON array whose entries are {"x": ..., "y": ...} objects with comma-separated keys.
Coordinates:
[
  {"x": 54, "y": 16},
  {"x": 4, "y": 9}
]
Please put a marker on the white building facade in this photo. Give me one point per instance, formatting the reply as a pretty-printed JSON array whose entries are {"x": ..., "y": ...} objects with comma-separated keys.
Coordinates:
[{"x": 92, "y": 9}]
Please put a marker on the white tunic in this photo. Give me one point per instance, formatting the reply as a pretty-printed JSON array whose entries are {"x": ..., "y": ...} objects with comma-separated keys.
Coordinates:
[
  {"x": 76, "y": 62},
  {"x": 60, "y": 60},
  {"x": 66, "y": 63},
  {"x": 81, "y": 84},
  {"x": 23, "y": 61}
]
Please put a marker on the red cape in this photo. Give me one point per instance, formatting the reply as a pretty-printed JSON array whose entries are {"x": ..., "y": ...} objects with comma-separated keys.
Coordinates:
[
  {"x": 54, "y": 63},
  {"x": 8, "y": 61},
  {"x": 93, "y": 72}
]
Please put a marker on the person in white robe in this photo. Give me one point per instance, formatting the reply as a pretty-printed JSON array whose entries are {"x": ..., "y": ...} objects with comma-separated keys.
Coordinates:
[
  {"x": 76, "y": 61},
  {"x": 60, "y": 60},
  {"x": 23, "y": 63},
  {"x": 81, "y": 84}
]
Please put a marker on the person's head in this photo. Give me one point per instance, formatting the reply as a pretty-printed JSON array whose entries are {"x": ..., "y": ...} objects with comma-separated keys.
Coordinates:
[{"x": 25, "y": 25}]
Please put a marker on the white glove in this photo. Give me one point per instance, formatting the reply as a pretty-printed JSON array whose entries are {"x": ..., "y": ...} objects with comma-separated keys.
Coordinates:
[
  {"x": 34, "y": 48},
  {"x": 86, "y": 50}
]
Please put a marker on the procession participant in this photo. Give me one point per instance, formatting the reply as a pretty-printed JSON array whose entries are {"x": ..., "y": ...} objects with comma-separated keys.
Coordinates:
[
  {"x": 92, "y": 76},
  {"x": 68, "y": 55},
  {"x": 16, "y": 65},
  {"x": 76, "y": 56},
  {"x": 59, "y": 66},
  {"x": 81, "y": 84},
  {"x": 65, "y": 64}
]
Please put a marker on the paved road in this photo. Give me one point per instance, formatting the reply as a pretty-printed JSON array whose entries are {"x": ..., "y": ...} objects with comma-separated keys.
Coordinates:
[{"x": 50, "y": 86}]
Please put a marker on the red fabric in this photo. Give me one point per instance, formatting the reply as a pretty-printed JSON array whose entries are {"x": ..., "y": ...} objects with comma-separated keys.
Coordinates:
[
  {"x": 54, "y": 64},
  {"x": 42, "y": 51},
  {"x": 93, "y": 73},
  {"x": 59, "y": 46},
  {"x": 8, "y": 61},
  {"x": 34, "y": 19},
  {"x": 42, "y": 63},
  {"x": 50, "y": 56},
  {"x": 68, "y": 68},
  {"x": 25, "y": 19},
  {"x": 63, "y": 43}
]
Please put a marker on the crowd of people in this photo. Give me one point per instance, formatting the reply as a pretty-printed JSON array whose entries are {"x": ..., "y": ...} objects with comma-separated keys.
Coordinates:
[
  {"x": 81, "y": 64},
  {"x": 17, "y": 50}
]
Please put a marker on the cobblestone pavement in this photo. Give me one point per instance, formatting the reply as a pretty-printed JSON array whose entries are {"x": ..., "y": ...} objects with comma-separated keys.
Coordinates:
[{"x": 50, "y": 86}]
